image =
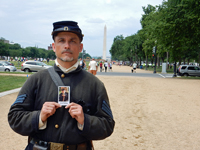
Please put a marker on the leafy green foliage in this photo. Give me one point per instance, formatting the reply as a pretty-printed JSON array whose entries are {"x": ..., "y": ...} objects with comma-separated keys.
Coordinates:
[
  {"x": 116, "y": 48},
  {"x": 172, "y": 27},
  {"x": 85, "y": 56},
  {"x": 16, "y": 50}
]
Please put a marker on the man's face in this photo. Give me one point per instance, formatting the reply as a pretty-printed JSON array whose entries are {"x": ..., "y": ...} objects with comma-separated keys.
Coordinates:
[{"x": 67, "y": 46}]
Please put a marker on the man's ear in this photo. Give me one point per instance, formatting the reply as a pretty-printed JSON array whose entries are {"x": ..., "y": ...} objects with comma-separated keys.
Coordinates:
[
  {"x": 53, "y": 46},
  {"x": 81, "y": 47}
]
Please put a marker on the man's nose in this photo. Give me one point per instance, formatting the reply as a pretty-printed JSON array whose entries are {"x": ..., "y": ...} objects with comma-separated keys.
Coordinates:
[{"x": 67, "y": 45}]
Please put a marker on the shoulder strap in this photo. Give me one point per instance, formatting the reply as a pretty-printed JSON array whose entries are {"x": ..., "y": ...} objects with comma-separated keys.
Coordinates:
[{"x": 55, "y": 77}]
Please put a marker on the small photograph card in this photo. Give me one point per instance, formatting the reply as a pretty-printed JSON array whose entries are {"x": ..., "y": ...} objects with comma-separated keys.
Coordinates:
[{"x": 63, "y": 95}]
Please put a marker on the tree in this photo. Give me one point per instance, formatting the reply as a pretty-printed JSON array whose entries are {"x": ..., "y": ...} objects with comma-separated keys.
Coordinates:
[
  {"x": 173, "y": 27},
  {"x": 85, "y": 55},
  {"x": 4, "y": 50},
  {"x": 116, "y": 48},
  {"x": 51, "y": 54},
  {"x": 34, "y": 52},
  {"x": 147, "y": 33},
  {"x": 15, "y": 46}
]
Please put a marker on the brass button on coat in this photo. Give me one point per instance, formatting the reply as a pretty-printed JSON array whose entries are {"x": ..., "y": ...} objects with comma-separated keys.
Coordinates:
[
  {"x": 62, "y": 75},
  {"x": 56, "y": 126}
]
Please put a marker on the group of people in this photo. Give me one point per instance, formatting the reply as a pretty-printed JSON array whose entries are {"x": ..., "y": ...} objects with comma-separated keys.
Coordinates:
[
  {"x": 93, "y": 66},
  {"x": 107, "y": 66}
]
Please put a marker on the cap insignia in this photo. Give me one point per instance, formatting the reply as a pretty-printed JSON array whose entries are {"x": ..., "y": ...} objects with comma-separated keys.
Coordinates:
[{"x": 66, "y": 29}]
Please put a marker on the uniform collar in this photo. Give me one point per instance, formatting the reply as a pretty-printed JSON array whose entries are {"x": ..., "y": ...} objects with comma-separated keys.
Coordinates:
[{"x": 72, "y": 68}]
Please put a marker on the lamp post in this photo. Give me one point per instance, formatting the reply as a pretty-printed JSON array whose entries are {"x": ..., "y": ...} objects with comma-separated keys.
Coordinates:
[
  {"x": 135, "y": 52},
  {"x": 174, "y": 75},
  {"x": 154, "y": 55},
  {"x": 131, "y": 57}
]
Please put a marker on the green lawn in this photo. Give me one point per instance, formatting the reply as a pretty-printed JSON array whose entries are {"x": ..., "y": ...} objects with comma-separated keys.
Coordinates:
[{"x": 11, "y": 82}]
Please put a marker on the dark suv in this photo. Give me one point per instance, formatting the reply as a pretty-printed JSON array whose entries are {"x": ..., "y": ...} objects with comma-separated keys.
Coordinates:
[{"x": 188, "y": 70}]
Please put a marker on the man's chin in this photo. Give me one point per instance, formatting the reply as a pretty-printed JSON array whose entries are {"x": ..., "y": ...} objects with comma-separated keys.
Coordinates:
[{"x": 66, "y": 59}]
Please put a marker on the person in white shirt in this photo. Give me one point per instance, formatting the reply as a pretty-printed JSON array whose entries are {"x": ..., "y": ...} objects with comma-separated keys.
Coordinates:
[
  {"x": 134, "y": 67},
  {"x": 106, "y": 66},
  {"x": 93, "y": 67}
]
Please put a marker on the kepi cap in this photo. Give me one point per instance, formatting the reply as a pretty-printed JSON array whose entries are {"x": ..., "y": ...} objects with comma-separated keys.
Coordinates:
[{"x": 67, "y": 26}]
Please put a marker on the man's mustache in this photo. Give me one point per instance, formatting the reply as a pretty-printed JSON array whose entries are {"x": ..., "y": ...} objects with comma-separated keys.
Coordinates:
[{"x": 66, "y": 50}]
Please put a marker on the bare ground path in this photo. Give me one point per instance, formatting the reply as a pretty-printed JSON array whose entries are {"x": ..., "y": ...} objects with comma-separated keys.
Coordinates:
[{"x": 150, "y": 114}]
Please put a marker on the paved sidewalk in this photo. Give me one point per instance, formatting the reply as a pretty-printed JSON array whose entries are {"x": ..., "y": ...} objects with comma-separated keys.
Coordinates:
[{"x": 9, "y": 92}]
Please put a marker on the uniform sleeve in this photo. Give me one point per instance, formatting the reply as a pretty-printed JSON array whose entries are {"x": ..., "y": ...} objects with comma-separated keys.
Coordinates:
[
  {"x": 22, "y": 117},
  {"x": 101, "y": 124}
]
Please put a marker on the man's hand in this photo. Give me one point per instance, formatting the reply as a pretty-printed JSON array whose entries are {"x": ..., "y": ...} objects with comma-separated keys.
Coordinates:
[
  {"x": 76, "y": 111},
  {"x": 48, "y": 109}
]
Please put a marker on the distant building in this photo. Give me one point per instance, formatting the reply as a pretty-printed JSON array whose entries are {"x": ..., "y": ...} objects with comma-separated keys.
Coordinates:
[
  {"x": 108, "y": 58},
  {"x": 6, "y": 41},
  {"x": 96, "y": 57},
  {"x": 50, "y": 47},
  {"x": 12, "y": 42}
]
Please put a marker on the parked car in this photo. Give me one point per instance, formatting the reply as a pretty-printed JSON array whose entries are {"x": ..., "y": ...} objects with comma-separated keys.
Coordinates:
[
  {"x": 188, "y": 70},
  {"x": 6, "y": 67},
  {"x": 33, "y": 66},
  {"x": 7, "y": 62}
]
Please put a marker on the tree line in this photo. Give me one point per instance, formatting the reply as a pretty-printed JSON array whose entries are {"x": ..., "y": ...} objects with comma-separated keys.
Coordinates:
[
  {"x": 15, "y": 50},
  {"x": 172, "y": 27}
]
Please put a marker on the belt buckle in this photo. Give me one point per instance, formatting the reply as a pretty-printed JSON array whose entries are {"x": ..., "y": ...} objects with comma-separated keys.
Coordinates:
[{"x": 56, "y": 146}]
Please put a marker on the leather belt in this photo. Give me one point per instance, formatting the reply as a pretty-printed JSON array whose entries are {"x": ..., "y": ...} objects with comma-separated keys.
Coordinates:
[{"x": 42, "y": 145}]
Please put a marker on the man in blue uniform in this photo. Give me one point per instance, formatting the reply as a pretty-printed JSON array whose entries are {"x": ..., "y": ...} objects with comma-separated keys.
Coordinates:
[{"x": 36, "y": 112}]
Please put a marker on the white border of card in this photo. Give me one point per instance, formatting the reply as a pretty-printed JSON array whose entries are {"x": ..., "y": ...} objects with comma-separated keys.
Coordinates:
[{"x": 64, "y": 100}]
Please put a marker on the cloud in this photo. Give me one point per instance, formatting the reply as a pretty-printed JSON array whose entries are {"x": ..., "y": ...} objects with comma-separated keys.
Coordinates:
[
  {"x": 29, "y": 23},
  {"x": 95, "y": 20}
]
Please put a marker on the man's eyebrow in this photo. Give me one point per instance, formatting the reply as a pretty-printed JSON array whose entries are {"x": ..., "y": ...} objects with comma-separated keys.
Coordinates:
[
  {"x": 60, "y": 37},
  {"x": 74, "y": 38}
]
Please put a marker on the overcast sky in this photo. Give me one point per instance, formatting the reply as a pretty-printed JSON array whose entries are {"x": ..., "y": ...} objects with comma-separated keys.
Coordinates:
[{"x": 29, "y": 23}]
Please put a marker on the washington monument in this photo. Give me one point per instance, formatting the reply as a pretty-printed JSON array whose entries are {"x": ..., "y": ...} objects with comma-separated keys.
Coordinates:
[{"x": 104, "y": 44}]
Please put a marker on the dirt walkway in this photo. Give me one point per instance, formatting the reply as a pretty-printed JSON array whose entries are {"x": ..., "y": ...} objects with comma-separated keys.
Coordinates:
[{"x": 150, "y": 114}]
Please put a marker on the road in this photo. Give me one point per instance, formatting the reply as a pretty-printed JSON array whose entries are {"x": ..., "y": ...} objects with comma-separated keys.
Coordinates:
[
  {"x": 152, "y": 75},
  {"x": 146, "y": 74}
]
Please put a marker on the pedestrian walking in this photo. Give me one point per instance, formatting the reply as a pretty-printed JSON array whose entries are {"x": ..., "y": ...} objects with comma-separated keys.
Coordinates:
[
  {"x": 111, "y": 66},
  {"x": 93, "y": 67},
  {"x": 134, "y": 67},
  {"x": 101, "y": 64},
  {"x": 105, "y": 66},
  {"x": 108, "y": 67}
]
